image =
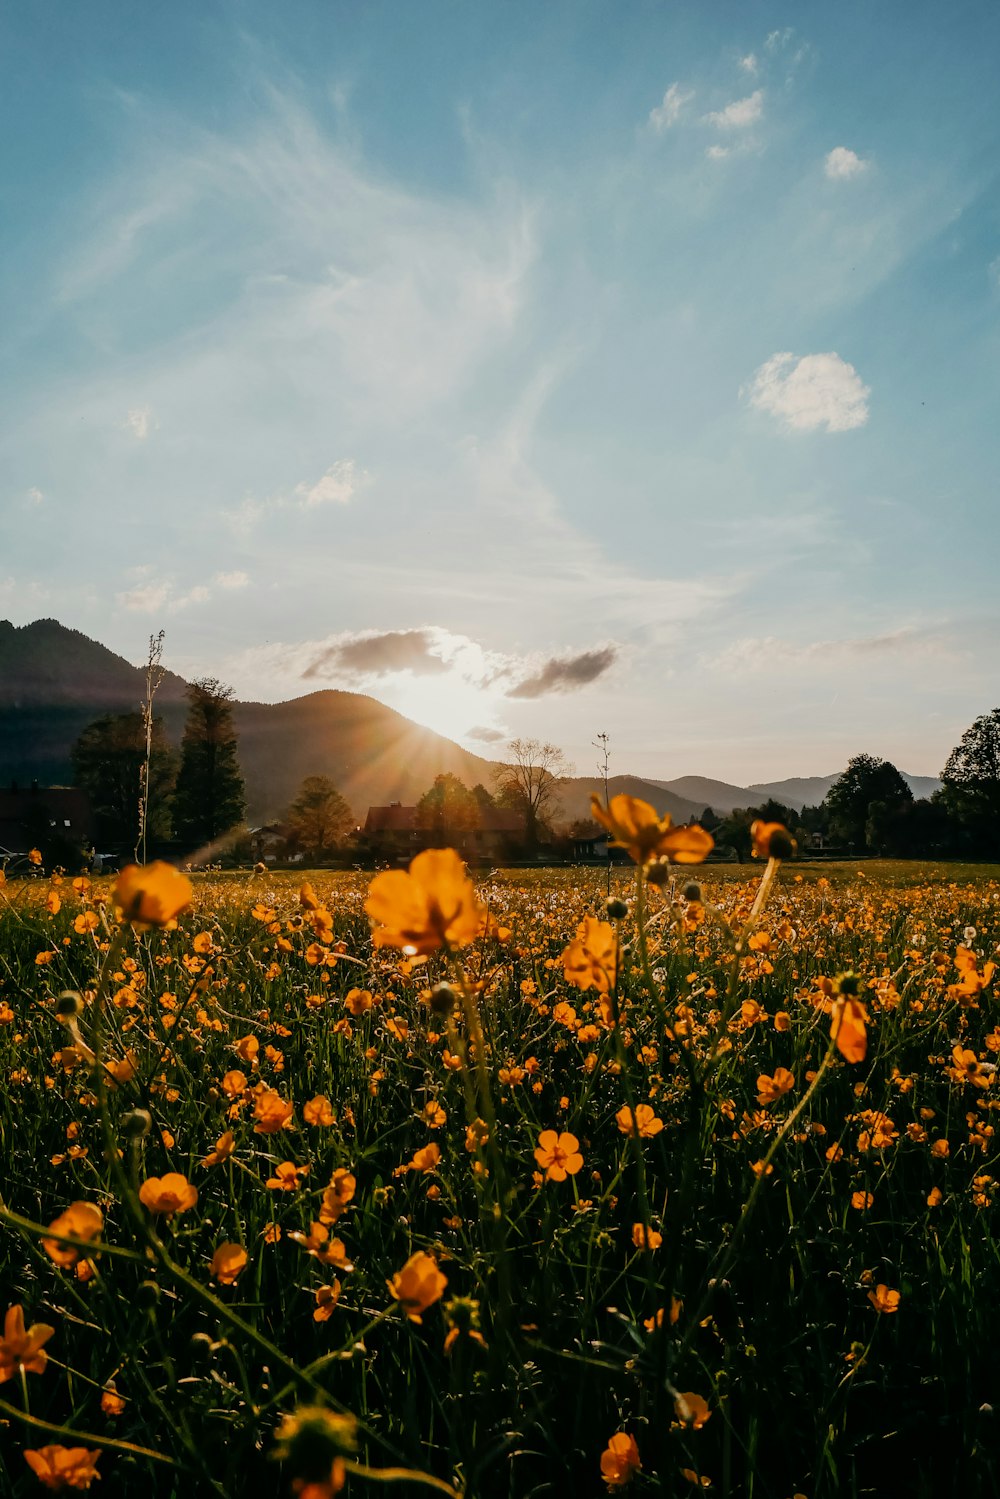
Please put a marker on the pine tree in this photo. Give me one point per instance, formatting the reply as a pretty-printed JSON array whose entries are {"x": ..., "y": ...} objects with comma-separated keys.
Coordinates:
[{"x": 209, "y": 798}]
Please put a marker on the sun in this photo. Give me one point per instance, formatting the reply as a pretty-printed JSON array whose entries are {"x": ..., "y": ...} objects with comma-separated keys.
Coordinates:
[{"x": 446, "y": 702}]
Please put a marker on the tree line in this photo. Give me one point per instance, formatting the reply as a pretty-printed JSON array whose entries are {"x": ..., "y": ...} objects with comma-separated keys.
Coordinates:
[
  {"x": 871, "y": 808},
  {"x": 196, "y": 797}
]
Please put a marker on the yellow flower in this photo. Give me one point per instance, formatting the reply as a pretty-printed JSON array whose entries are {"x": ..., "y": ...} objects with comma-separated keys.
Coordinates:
[
  {"x": 771, "y": 840},
  {"x": 152, "y": 894},
  {"x": 287, "y": 1177},
  {"x": 20, "y": 1349},
  {"x": 418, "y": 1285},
  {"x": 645, "y": 1124},
  {"x": 636, "y": 827},
  {"x": 590, "y": 960},
  {"x": 81, "y": 1220},
  {"x": 620, "y": 1460},
  {"x": 63, "y": 1467},
  {"x": 337, "y": 1196},
  {"x": 645, "y": 1238},
  {"x": 431, "y": 905},
  {"x": 223, "y": 1149},
  {"x": 318, "y": 1111},
  {"x": 847, "y": 1024},
  {"x": 558, "y": 1154},
  {"x": 884, "y": 1300},
  {"x": 425, "y": 1159},
  {"x": 228, "y": 1261},
  {"x": 168, "y": 1194},
  {"x": 692, "y": 1410},
  {"x": 272, "y": 1112},
  {"x": 326, "y": 1299},
  {"x": 770, "y": 1089}
]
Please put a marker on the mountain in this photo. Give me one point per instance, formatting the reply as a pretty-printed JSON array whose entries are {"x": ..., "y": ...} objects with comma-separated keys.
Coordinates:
[{"x": 54, "y": 681}]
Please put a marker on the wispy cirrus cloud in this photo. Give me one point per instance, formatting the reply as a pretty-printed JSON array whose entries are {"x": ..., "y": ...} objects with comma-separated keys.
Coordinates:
[
  {"x": 669, "y": 110},
  {"x": 769, "y": 653},
  {"x": 739, "y": 114},
  {"x": 818, "y": 390}
]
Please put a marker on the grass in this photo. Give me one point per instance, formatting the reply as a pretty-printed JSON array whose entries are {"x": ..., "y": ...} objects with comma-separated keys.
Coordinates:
[{"x": 758, "y": 1300}]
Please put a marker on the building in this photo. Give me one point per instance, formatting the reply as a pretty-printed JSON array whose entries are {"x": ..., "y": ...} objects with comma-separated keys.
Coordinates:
[
  {"x": 33, "y": 816},
  {"x": 393, "y": 833}
]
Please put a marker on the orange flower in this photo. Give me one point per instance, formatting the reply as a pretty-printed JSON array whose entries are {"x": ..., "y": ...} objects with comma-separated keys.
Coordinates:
[
  {"x": 431, "y": 905},
  {"x": 81, "y": 1220},
  {"x": 63, "y": 1467},
  {"x": 636, "y": 827},
  {"x": 287, "y": 1177},
  {"x": 87, "y": 921},
  {"x": 247, "y": 1048},
  {"x": 318, "y": 1111},
  {"x": 620, "y": 1460},
  {"x": 847, "y": 1025},
  {"x": 884, "y": 1300},
  {"x": 223, "y": 1149},
  {"x": 272, "y": 1112},
  {"x": 319, "y": 1244},
  {"x": 234, "y": 1083},
  {"x": 337, "y": 1195},
  {"x": 418, "y": 1285},
  {"x": 152, "y": 894},
  {"x": 20, "y": 1349},
  {"x": 425, "y": 1159},
  {"x": 771, "y": 840},
  {"x": 645, "y": 1238},
  {"x": 112, "y": 1404},
  {"x": 770, "y": 1089},
  {"x": 645, "y": 1124},
  {"x": 228, "y": 1261},
  {"x": 558, "y": 1154},
  {"x": 862, "y": 1201},
  {"x": 168, "y": 1194},
  {"x": 692, "y": 1410},
  {"x": 590, "y": 959},
  {"x": 326, "y": 1299}
]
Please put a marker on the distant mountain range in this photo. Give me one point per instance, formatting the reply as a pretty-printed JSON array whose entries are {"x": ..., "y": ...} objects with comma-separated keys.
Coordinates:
[{"x": 54, "y": 681}]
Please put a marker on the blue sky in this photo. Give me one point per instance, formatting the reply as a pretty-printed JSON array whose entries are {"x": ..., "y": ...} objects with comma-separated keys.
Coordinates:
[{"x": 540, "y": 370}]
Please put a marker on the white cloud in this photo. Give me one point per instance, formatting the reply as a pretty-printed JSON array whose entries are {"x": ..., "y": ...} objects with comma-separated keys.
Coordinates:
[
  {"x": 842, "y": 164},
  {"x": 994, "y": 270},
  {"x": 35, "y": 496},
  {"x": 336, "y": 487},
  {"x": 777, "y": 39},
  {"x": 668, "y": 113},
  {"x": 156, "y": 598},
  {"x": 139, "y": 421},
  {"x": 818, "y": 390},
  {"x": 749, "y": 63},
  {"x": 769, "y": 653},
  {"x": 231, "y": 580},
  {"x": 717, "y": 153},
  {"x": 146, "y": 599},
  {"x": 739, "y": 114}
]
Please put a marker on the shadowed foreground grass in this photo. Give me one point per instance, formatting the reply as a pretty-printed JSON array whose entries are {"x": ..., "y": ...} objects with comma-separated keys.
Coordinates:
[{"x": 294, "y": 1075}]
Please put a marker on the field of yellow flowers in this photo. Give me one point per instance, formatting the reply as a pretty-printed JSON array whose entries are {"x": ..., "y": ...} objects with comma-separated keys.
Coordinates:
[{"x": 409, "y": 1184}]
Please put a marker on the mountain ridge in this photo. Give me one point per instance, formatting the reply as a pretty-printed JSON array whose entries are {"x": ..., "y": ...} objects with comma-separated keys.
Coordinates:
[{"x": 54, "y": 680}]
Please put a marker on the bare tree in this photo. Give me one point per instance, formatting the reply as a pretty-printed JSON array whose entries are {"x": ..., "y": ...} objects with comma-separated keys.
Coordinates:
[
  {"x": 603, "y": 746},
  {"x": 529, "y": 781},
  {"x": 154, "y": 676}
]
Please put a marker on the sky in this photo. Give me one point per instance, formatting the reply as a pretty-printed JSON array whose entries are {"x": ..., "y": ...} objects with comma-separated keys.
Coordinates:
[{"x": 540, "y": 370}]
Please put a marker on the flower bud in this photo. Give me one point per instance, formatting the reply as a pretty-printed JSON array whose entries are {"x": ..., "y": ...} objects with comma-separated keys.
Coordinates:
[
  {"x": 201, "y": 1347},
  {"x": 658, "y": 872},
  {"x": 443, "y": 999},
  {"x": 616, "y": 909},
  {"x": 147, "y": 1295},
  {"x": 69, "y": 1006},
  {"x": 693, "y": 893},
  {"x": 136, "y": 1124}
]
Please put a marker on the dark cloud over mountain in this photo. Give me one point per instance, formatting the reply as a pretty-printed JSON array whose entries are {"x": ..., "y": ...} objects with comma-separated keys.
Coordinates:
[{"x": 566, "y": 673}]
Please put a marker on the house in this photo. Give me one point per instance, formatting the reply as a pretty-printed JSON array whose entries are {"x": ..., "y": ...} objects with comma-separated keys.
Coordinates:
[
  {"x": 394, "y": 833},
  {"x": 35, "y": 815}
]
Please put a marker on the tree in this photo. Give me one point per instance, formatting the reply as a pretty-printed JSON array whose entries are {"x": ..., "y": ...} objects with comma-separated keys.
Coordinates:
[
  {"x": 449, "y": 808},
  {"x": 529, "y": 782},
  {"x": 319, "y": 818},
  {"x": 970, "y": 783},
  {"x": 109, "y": 763},
  {"x": 209, "y": 798},
  {"x": 849, "y": 801}
]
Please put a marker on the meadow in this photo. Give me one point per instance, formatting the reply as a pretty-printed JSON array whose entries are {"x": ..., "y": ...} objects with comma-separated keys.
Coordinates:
[{"x": 531, "y": 1194}]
